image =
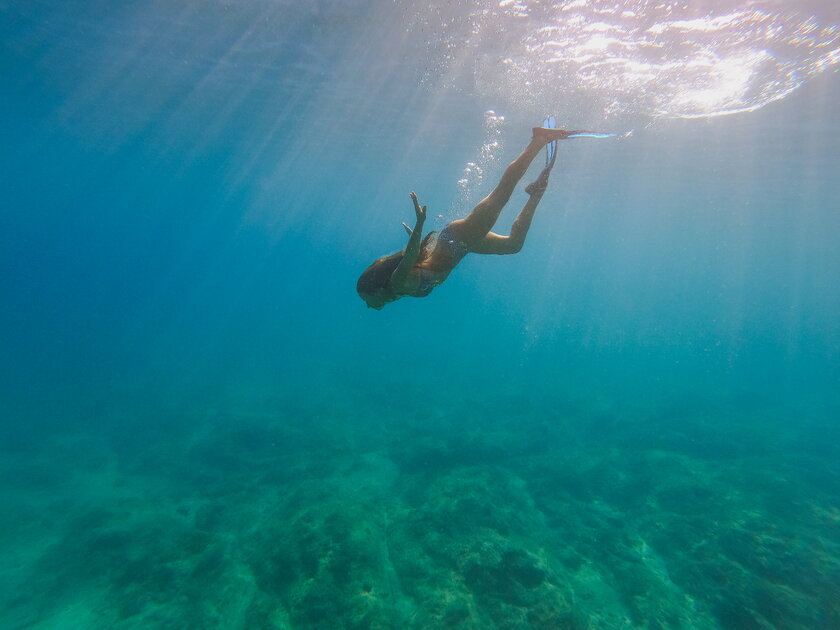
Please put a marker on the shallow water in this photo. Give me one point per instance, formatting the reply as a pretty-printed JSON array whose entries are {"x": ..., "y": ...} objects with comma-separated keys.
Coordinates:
[{"x": 633, "y": 423}]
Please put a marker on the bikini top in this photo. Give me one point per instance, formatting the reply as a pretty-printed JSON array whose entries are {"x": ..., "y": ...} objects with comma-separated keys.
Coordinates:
[
  {"x": 428, "y": 281},
  {"x": 457, "y": 250}
]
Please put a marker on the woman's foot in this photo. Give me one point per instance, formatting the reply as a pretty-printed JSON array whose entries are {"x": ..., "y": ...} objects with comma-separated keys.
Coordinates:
[
  {"x": 547, "y": 135},
  {"x": 538, "y": 186}
]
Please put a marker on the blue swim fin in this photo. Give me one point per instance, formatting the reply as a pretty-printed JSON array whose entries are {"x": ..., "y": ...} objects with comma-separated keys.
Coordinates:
[
  {"x": 539, "y": 184},
  {"x": 551, "y": 147},
  {"x": 590, "y": 134}
]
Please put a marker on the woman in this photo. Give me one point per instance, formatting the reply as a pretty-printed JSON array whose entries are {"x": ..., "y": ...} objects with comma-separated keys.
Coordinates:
[{"x": 423, "y": 265}]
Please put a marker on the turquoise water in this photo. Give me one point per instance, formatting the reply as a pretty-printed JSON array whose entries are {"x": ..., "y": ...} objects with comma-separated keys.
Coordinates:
[{"x": 632, "y": 423}]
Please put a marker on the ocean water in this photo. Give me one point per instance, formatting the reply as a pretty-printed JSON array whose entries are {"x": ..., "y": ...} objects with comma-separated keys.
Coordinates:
[{"x": 633, "y": 423}]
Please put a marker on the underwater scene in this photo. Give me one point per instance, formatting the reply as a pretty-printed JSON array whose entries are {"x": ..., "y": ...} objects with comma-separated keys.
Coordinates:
[{"x": 225, "y": 405}]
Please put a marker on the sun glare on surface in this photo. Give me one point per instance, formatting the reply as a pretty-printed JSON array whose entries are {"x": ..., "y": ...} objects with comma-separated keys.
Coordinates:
[{"x": 643, "y": 58}]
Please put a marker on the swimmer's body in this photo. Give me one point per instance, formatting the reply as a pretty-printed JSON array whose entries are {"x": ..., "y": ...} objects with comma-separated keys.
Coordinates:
[{"x": 427, "y": 262}]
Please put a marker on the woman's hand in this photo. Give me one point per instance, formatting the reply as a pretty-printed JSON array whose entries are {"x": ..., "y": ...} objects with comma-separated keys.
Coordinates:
[
  {"x": 412, "y": 249},
  {"x": 418, "y": 210}
]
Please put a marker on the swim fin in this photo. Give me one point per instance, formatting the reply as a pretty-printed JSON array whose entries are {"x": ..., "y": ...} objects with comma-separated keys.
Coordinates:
[
  {"x": 551, "y": 147},
  {"x": 541, "y": 182},
  {"x": 590, "y": 134}
]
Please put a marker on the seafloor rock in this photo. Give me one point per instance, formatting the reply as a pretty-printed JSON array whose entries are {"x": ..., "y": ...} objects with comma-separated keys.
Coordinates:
[
  {"x": 395, "y": 522},
  {"x": 472, "y": 531}
]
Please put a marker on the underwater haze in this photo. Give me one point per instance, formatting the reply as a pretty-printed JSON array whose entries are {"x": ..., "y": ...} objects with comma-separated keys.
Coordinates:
[{"x": 633, "y": 423}]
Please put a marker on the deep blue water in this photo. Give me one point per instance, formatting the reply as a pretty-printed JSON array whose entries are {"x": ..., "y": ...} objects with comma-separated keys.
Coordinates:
[{"x": 190, "y": 193}]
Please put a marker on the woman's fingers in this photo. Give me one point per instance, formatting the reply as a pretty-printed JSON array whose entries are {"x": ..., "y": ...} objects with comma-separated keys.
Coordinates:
[{"x": 420, "y": 211}]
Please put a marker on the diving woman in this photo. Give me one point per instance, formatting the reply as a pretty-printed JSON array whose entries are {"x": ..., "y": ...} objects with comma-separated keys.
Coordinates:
[{"x": 427, "y": 262}]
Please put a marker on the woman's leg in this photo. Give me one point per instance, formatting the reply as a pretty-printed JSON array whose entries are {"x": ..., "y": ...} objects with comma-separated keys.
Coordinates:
[
  {"x": 498, "y": 244},
  {"x": 472, "y": 229}
]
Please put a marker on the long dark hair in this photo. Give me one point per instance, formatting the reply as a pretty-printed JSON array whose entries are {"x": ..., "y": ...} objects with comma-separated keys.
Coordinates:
[{"x": 376, "y": 277}]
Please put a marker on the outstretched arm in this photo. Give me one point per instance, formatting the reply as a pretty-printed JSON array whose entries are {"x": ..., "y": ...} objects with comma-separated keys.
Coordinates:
[{"x": 412, "y": 249}]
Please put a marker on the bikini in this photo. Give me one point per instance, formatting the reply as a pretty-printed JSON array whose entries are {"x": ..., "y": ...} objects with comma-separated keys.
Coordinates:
[{"x": 457, "y": 250}]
